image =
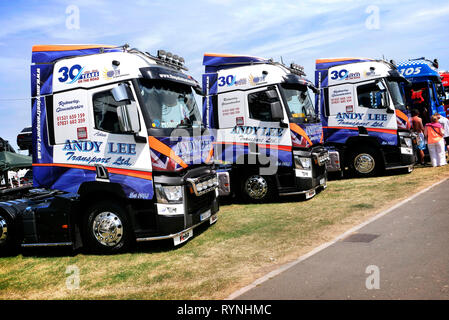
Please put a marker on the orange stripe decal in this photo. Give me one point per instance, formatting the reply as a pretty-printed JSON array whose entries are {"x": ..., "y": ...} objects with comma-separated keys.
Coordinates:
[
  {"x": 403, "y": 116},
  {"x": 226, "y": 55},
  {"x": 155, "y": 144},
  {"x": 295, "y": 128},
  {"x": 68, "y": 47},
  {"x": 126, "y": 172},
  {"x": 210, "y": 155},
  {"x": 317, "y": 61}
]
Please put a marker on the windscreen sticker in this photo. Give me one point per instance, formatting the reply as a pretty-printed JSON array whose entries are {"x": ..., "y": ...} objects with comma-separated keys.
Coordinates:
[
  {"x": 96, "y": 152},
  {"x": 355, "y": 119}
]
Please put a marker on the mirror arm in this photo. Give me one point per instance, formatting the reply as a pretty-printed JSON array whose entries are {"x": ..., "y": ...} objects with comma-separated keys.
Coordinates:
[
  {"x": 283, "y": 124},
  {"x": 139, "y": 139}
]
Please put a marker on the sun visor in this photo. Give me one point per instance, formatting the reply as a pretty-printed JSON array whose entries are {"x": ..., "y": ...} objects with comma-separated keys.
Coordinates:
[
  {"x": 397, "y": 76},
  {"x": 166, "y": 74},
  {"x": 296, "y": 79}
]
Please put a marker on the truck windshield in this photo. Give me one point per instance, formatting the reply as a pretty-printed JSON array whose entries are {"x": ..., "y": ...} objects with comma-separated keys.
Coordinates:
[
  {"x": 169, "y": 104},
  {"x": 298, "y": 101},
  {"x": 397, "y": 94},
  {"x": 440, "y": 91}
]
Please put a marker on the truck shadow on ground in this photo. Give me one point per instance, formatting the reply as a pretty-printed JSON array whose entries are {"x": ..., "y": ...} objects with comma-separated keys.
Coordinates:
[
  {"x": 138, "y": 247},
  {"x": 233, "y": 200},
  {"x": 167, "y": 245}
]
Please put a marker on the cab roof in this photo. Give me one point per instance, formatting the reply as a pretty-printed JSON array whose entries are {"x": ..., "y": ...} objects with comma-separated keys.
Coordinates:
[
  {"x": 51, "y": 53},
  {"x": 218, "y": 61},
  {"x": 332, "y": 62}
]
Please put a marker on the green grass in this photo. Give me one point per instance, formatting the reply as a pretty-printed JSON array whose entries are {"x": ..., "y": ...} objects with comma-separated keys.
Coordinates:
[{"x": 246, "y": 242}]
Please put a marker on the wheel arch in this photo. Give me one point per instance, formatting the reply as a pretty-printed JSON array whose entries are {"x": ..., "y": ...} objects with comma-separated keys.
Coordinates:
[
  {"x": 96, "y": 191},
  {"x": 355, "y": 143}
]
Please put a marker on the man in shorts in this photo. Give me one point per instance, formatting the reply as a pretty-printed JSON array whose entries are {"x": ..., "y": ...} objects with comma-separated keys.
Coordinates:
[{"x": 418, "y": 128}]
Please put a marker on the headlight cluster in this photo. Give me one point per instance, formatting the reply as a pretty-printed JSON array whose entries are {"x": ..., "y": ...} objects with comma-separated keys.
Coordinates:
[
  {"x": 303, "y": 163},
  {"x": 204, "y": 185},
  {"x": 407, "y": 142},
  {"x": 169, "y": 194}
]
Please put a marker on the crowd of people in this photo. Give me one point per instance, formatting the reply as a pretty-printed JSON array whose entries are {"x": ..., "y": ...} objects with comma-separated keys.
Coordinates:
[{"x": 434, "y": 136}]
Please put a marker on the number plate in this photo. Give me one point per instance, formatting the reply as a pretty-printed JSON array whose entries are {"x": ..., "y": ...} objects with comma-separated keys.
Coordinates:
[
  {"x": 322, "y": 181},
  {"x": 205, "y": 215},
  {"x": 310, "y": 194},
  {"x": 183, "y": 237}
]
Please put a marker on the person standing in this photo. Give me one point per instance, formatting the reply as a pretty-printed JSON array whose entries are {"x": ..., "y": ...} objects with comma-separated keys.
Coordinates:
[
  {"x": 434, "y": 134},
  {"x": 445, "y": 123},
  {"x": 418, "y": 128}
]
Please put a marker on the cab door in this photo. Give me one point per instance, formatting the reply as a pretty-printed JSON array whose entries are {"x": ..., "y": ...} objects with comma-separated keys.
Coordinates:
[
  {"x": 375, "y": 111},
  {"x": 266, "y": 129},
  {"x": 108, "y": 151}
]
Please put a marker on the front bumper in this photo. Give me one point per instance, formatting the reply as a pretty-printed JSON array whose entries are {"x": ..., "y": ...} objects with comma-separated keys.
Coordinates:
[
  {"x": 402, "y": 156},
  {"x": 176, "y": 220},
  {"x": 184, "y": 234},
  {"x": 308, "y": 181}
]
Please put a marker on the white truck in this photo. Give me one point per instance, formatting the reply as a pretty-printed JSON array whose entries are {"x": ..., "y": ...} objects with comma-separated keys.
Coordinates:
[
  {"x": 364, "y": 116},
  {"x": 118, "y": 152},
  {"x": 268, "y": 138}
]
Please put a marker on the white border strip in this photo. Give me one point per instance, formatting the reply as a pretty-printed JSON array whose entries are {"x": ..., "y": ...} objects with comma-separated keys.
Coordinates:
[{"x": 325, "y": 245}]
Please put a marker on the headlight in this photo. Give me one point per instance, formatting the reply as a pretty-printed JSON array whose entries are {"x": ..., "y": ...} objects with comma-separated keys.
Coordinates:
[
  {"x": 168, "y": 194},
  {"x": 408, "y": 142},
  {"x": 303, "y": 163}
]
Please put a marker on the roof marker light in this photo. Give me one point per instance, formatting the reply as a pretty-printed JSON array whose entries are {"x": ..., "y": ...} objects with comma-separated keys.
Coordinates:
[{"x": 171, "y": 59}]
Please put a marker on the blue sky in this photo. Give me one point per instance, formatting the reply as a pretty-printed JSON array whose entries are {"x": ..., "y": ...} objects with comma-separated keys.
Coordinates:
[{"x": 299, "y": 31}]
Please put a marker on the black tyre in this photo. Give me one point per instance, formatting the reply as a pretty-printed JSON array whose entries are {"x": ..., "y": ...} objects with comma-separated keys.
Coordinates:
[
  {"x": 365, "y": 162},
  {"x": 257, "y": 188},
  {"x": 107, "y": 229},
  {"x": 8, "y": 235}
]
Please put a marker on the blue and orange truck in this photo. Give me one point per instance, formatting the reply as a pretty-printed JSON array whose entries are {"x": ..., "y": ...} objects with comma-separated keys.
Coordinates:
[{"x": 119, "y": 152}]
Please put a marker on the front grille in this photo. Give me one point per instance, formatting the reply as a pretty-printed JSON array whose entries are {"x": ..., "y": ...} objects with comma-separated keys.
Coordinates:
[
  {"x": 318, "y": 170},
  {"x": 199, "y": 204}
]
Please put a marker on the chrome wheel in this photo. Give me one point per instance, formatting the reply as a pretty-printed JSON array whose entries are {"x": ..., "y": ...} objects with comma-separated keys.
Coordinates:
[
  {"x": 3, "y": 230},
  {"x": 107, "y": 229},
  {"x": 364, "y": 163},
  {"x": 256, "y": 187}
]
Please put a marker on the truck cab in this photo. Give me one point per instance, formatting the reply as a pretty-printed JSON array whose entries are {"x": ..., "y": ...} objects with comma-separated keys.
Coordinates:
[
  {"x": 364, "y": 115},
  {"x": 426, "y": 92},
  {"x": 268, "y": 138},
  {"x": 118, "y": 132},
  {"x": 445, "y": 81}
]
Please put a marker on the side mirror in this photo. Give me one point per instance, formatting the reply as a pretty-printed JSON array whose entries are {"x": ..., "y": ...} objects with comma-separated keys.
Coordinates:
[
  {"x": 277, "y": 114},
  {"x": 386, "y": 103},
  {"x": 272, "y": 94},
  {"x": 381, "y": 86},
  {"x": 128, "y": 118},
  {"x": 122, "y": 93}
]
